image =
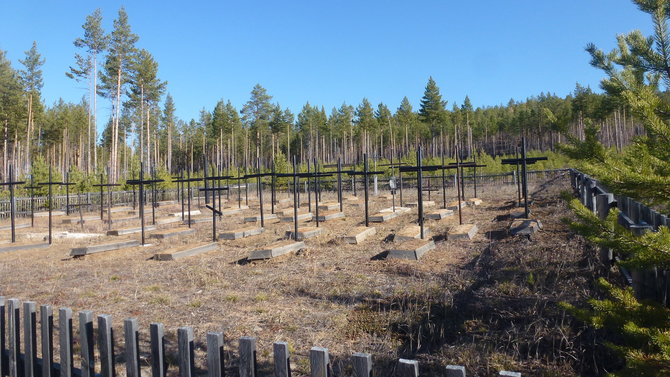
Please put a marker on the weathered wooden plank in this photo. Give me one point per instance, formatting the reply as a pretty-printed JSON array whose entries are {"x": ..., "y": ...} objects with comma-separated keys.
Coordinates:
[
  {"x": 131, "y": 337},
  {"x": 362, "y": 364},
  {"x": 408, "y": 368},
  {"x": 282, "y": 363},
  {"x": 106, "y": 345},
  {"x": 86, "y": 342},
  {"x": 14, "y": 330},
  {"x": 185, "y": 346},
  {"x": 30, "y": 339},
  {"x": 215, "y": 359},
  {"x": 158, "y": 362},
  {"x": 247, "y": 356},
  {"x": 3, "y": 347},
  {"x": 65, "y": 341},
  {"x": 47, "y": 337},
  {"x": 319, "y": 362}
]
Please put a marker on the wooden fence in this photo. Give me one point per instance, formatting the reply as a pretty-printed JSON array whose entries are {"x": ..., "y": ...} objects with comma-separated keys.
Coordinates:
[
  {"x": 15, "y": 363},
  {"x": 638, "y": 218}
]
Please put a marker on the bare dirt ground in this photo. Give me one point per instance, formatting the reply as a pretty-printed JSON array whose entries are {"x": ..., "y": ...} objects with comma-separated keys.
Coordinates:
[{"x": 489, "y": 304}]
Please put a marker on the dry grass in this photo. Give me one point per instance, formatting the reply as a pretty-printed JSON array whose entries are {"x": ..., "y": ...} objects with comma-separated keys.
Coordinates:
[{"x": 488, "y": 304}]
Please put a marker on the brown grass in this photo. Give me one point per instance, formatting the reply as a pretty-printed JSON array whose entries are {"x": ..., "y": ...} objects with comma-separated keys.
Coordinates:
[{"x": 489, "y": 304}]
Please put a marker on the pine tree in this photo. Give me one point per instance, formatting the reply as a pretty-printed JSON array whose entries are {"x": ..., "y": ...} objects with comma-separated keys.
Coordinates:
[
  {"x": 169, "y": 121},
  {"x": 433, "y": 111},
  {"x": 635, "y": 71},
  {"x": 115, "y": 76},
  {"x": 366, "y": 122},
  {"x": 145, "y": 91},
  {"x": 94, "y": 42},
  {"x": 256, "y": 116},
  {"x": 31, "y": 77}
]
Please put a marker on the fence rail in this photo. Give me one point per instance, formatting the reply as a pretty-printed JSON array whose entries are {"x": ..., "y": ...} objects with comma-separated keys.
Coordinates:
[
  {"x": 15, "y": 363},
  {"x": 636, "y": 217}
]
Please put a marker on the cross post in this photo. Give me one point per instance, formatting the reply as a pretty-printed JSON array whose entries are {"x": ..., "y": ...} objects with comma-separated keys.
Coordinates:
[{"x": 12, "y": 201}]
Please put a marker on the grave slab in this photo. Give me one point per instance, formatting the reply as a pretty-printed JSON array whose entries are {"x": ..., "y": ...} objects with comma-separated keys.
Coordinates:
[
  {"x": 359, "y": 234},
  {"x": 46, "y": 213},
  {"x": 177, "y": 232},
  {"x": 271, "y": 217},
  {"x": 121, "y": 209},
  {"x": 330, "y": 215},
  {"x": 178, "y": 253},
  {"x": 413, "y": 249},
  {"x": 474, "y": 201},
  {"x": 301, "y": 217},
  {"x": 86, "y": 250},
  {"x": 20, "y": 247},
  {"x": 454, "y": 205},
  {"x": 168, "y": 220},
  {"x": 16, "y": 226},
  {"x": 426, "y": 203},
  {"x": 121, "y": 220},
  {"x": 525, "y": 227},
  {"x": 439, "y": 214},
  {"x": 125, "y": 231},
  {"x": 462, "y": 232},
  {"x": 305, "y": 233},
  {"x": 83, "y": 220},
  {"x": 276, "y": 249},
  {"x": 329, "y": 206},
  {"x": 240, "y": 233},
  {"x": 232, "y": 211},
  {"x": 194, "y": 212},
  {"x": 166, "y": 202},
  {"x": 198, "y": 220},
  {"x": 382, "y": 217},
  {"x": 411, "y": 232},
  {"x": 400, "y": 210},
  {"x": 289, "y": 211}
]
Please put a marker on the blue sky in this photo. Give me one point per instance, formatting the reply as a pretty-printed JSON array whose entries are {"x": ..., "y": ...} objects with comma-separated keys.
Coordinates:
[{"x": 330, "y": 52}]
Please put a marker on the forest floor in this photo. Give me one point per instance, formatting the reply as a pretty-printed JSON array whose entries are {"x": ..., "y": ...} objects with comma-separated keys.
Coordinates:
[{"x": 489, "y": 304}]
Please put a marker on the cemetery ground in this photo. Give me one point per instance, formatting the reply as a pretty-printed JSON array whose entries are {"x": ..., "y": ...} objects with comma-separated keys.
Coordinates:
[{"x": 489, "y": 304}]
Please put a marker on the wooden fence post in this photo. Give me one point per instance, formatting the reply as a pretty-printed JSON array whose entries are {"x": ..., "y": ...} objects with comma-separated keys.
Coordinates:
[
  {"x": 14, "y": 329},
  {"x": 158, "y": 365},
  {"x": 318, "y": 362},
  {"x": 281, "y": 359},
  {"x": 65, "y": 341},
  {"x": 247, "y": 356},
  {"x": 185, "y": 344},
  {"x": 106, "y": 345},
  {"x": 130, "y": 334},
  {"x": 408, "y": 368},
  {"x": 47, "y": 335},
  {"x": 86, "y": 342},
  {"x": 362, "y": 364},
  {"x": 30, "y": 339},
  {"x": 455, "y": 371},
  {"x": 215, "y": 356}
]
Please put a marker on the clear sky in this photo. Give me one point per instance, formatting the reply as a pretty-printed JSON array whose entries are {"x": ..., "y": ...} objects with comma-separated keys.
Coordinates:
[{"x": 330, "y": 52}]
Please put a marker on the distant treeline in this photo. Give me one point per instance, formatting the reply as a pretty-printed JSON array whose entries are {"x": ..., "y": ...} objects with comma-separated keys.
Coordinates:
[{"x": 143, "y": 126}]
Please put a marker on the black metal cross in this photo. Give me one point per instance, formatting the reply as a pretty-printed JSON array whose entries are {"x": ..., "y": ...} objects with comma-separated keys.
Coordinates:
[
  {"x": 50, "y": 184},
  {"x": 366, "y": 173},
  {"x": 460, "y": 182},
  {"x": 259, "y": 183},
  {"x": 524, "y": 160},
  {"x": 339, "y": 173},
  {"x": 213, "y": 190},
  {"x": 141, "y": 182},
  {"x": 32, "y": 189},
  {"x": 67, "y": 185},
  {"x": 188, "y": 181},
  {"x": 419, "y": 169},
  {"x": 12, "y": 201},
  {"x": 109, "y": 185}
]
